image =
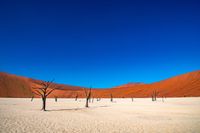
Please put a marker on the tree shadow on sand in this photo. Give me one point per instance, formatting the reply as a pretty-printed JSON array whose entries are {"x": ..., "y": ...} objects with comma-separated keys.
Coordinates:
[{"x": 76, "y": 109}]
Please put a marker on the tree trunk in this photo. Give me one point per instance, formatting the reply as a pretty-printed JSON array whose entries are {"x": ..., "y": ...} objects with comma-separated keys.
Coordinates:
[
  {"x": 111, "y": 98},
  {"x": 44, "y": 104},
  {"x": 87, "y": 100}
]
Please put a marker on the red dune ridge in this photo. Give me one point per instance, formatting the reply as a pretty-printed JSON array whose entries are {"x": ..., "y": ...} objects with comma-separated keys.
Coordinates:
[{"x": 185, "y": 85}]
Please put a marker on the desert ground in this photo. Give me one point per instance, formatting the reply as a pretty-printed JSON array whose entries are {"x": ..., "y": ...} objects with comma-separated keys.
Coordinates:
[{"x": 174, "y": 115}]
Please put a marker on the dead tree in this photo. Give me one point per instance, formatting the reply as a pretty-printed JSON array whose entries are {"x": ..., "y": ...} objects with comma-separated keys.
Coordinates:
[
  {"x": 56, "y": 99},
  {"x": 88, "y": 96},
  {"x": 154, "y": 95},
  {"x": 43, "y": 91},
  {"x": 132, "y": 99},
  {"x": 98, "y": 99},
  {"x": 111, "y": 97},
  {"x": 76, "y": 98}
]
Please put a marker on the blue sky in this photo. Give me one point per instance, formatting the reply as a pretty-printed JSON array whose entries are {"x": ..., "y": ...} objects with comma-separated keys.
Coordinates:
[{"x": 99, "y": 43}]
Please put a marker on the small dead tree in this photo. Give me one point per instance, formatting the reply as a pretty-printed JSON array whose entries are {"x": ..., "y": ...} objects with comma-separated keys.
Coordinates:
[
  {"x": 56, "y": 99},
  {"x": 98, "y": 99},
  {"x": 132, "y": 99},
  {"x": 88, "y": 96},
  {"x": 43, "y": 91},
  {"x": 111, "y": 97},
  {"x": 154, "y": 95},
  {"x": 76, "y": 98}
]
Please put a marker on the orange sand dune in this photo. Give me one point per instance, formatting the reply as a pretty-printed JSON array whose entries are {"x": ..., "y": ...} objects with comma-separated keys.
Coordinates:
[{"x": 186, "y": 85}]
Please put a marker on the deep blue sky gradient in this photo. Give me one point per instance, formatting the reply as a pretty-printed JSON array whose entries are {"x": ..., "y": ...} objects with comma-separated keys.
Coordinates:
[{"x": 99, "y": 43}]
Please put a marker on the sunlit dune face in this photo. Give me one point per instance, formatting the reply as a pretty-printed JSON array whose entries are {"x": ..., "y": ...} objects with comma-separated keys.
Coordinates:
[{"x": 185, "y": 85}]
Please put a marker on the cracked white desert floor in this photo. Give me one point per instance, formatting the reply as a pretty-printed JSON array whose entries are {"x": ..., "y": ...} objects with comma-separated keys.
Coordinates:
[{"x": 174, "y": 115}]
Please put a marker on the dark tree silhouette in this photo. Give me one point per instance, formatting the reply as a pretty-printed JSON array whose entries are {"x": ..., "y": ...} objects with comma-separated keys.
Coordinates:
[
  {"x": 56, "y": 99},
  {"x": 132, "y": 99},
  {"x": 154, "y": 95},
  {"x": 76, "y": 98},
  {"x": 111, "y": 97},
  {"x": 44, "y": 91},
  {"x": 98, "y": 99},
  {"x": 88, "y": 96}
]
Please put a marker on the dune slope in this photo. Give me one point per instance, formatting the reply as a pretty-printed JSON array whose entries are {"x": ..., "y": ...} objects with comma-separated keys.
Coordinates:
[{"x": 185, "y": 85}]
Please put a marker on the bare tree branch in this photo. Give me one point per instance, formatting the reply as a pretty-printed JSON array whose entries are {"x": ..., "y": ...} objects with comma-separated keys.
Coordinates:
[
  {"x": 49, "y": 92},
  {"x": 37, "y": 94},
  {"x": 85, "y": 91}
]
